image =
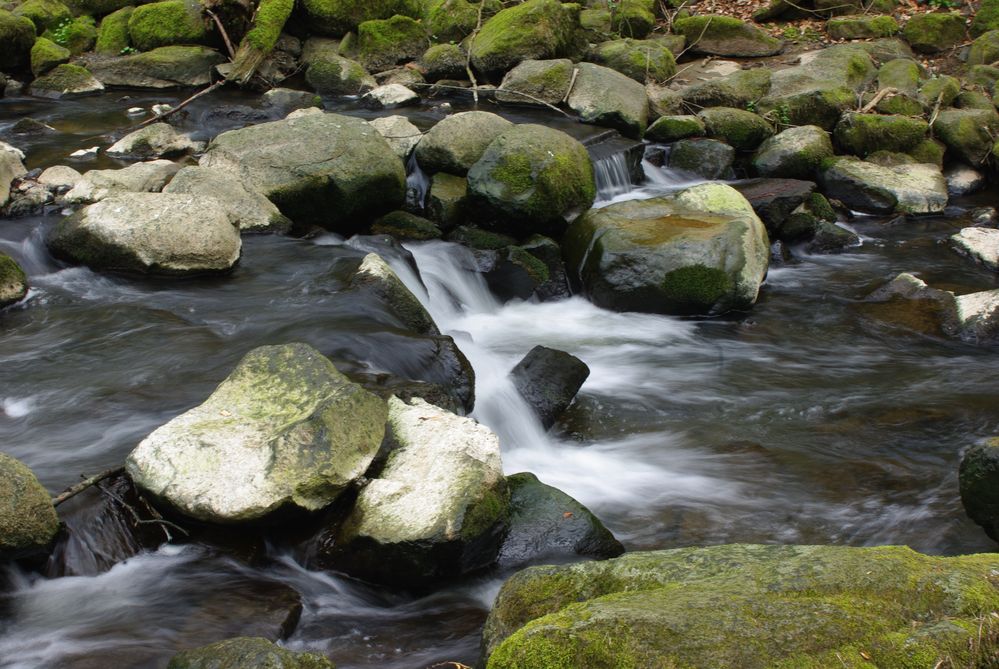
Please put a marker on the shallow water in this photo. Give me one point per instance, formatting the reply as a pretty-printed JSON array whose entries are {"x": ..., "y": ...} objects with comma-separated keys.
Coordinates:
[{"x": 805, "y": 420}]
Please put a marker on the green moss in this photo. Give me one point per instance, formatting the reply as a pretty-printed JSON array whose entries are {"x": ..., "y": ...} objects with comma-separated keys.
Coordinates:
[
  {"x": 672, "y": 128},
  {"x": 633, "y": 18},
  {"x": 112, "y": 36},
  {"x": 985, "y": 49},
  {"x": 861, "y": 134},
  {"x": 78, "y": 36},
  {"x": 46, "y": 54},
  {"x": 534, "y": 266},
  {"x": 64, "y": 77},
  {"x": 385, "y": 42},
  {"x": 741, "y": 129},
  {"x": 17, "y": 35},
  {"x": 45, "y": 14},
  {"x": 13, "y": 282},
  {"x": 403, "y": 225},
  {"x": 482, "y": 240},
  {"x": 986, "y": 18},
  {"x": 642, "y": 60},
  {"x": 536, "y": 29},
  {"x": 339, "y": 17},
  {"x": 483, "y": 515},
  {"x": 444, "y": 61},
  {"x": 268, "y": 24},
  {"x": 690, "y": 288},
  {"x": 819, "y": 206},
  {"x": 341, "y": 76},
  {"x": 167, "y": 23},
  {"x": 861, "y": 27},
  {"x": 934, "y": 32},
  {"x": 246, "y": 653},
  {"x": 983, "y": 75},
  {"x": 721, "y": 30},
  {"x": 454, "y": 20},
  {"x": 901, "y": 74}
]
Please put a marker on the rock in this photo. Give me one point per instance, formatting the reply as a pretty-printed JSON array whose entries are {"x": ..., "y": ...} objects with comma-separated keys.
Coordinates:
[
  {"x": 546, "y": 524},
  {"x": 382, "y": 43},
  {"x": 605, "y": 97},
  {"x": 59, "y": 178},
  {"x": 79, "y": 36},
  {"x": 166, "y": 23},
  {"x": 403, "y": 225},
  {"x": 443, "y": 61},
  {"x": 876, "y": 189},
  {"x": 741, "y": 129},
  {"x": 11, "y": 167},
  {"x": 739, "y": 89},
  {"x": 400, "y": 134},
  {"x": 642, "y": 60},
  {"x": 147, "y": 177},
  {"x": 46, "y": 55},
  {"x": 774, "y": 200},
  {"x": 29, "y": 200},
  {"x": 718, "y": 35},
  {"x": 13, "y": 282},
  {"x": 389, "y": 97},
  {"x": 288, "y": 100},
  {"x": 863, "y": 134},
  {"x": 112, "y": 34},
  {"x": 544, "y": 80},
  {"x": 28, "y": 521},
  {"x": 739, "y": 606},
  {"x": 458, "y": 141},
  {"x": 533, "y": 178},
  {"x": 548, "y": 380},
  {"x": 700, "y": 251},
  {"x": 86, "y": 154},
  {"x": 66, "y": 81},
  {"x": 376, "y": 277},
  {"x": 338, "y": 17},
  {"x": 707, "y": 158},
  {"x": 663, "y": 101},
  {"x": 166, "y": 67},
  {"x": 29, "y": 126},
  {"x": 246, "y": 653},
  {"x": 327, "y": 170},
  {"x": 669, "y": 129},
  {"x": 861, "y": 27},
  {"x": 795, "y": 153},
  {"x": 901, "y": 74},
  {"x": 336, "y": 75},
  {"x": 934, "y": 32},
  {"x": 985, "y": 19},
  {"x": 152, "y": 233},
  {"x": 438, "y": 508},
  {"x": 943, "y": 88},
  {"x": 447, "y": 201},
  {"x": 17, "y": 35},
  {"x": 247, "y": 209},
  {"x": 44, "y": 14},
  {"x": 978, "y": 477},
  {"x": 285, "y": 430},
  {"x": 963, "y": 180},
  {"x": 536, "y": 30},
  {"x": 967, "y": 132},
  {"x": 979, "y": 244},
  {"x": 408, "y": 76},
  {"x": 157, "y": 140}
]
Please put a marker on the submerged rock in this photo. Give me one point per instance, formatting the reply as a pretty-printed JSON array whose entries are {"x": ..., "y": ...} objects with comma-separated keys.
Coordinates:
[
  {"x": 979, "y": 482},
  {"x": 246, "y": 653},
  {"x": 158, "y": 140},
  {"x": 13, "y": 282},
  {"x": 285, "y": 430},
  {"x": 247, "y": 209},
  {"x": 742, "y": 606},
  {"x": 884, "y": 189},
  {"x": 28, "y": 521},
  {"x": 458, "y": 141},
  {"x": 548, "y": 380},
  {"x": 979, "y": 244}
]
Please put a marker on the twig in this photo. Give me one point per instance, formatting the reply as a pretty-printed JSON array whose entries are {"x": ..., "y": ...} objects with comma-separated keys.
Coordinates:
[
  {"x": 878, "y": 98},
  {"x": 503, "y": 90},
  {"x": 468, "y": 56},
  {"x": 160, "y": 117},
  {"x": 225, "y": 35},
  {"x": 572, "y": 83},
  {"x": 699, "y": 37},
  {"x": 163, "y": 524},
  {"x": 936, "y": 112},
  {"x": 75, "y": 490}
]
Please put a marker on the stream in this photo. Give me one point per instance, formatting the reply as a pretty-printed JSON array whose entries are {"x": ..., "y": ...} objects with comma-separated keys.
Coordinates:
[{"x": 803, "y": 421}]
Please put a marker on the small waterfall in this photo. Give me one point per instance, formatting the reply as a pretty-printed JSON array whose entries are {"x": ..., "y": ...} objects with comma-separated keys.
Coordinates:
[
  {"x": 417, "y": 183},
  {"x": 613, "y": 176}
]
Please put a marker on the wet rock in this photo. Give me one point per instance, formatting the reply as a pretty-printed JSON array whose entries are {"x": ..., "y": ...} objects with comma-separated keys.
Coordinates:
[
  {"x": 336, "y": 75},
  {"x": 809, "y": 603},
  {"x": 153, "y": 233},
  {"x": 30, "y": 126},
  {"x": 28, "y": 521},
  {"x": 288, "y": 100},
  {"x": 603, "y": 96},
  {"x": 739, "y": 89},
  {"x": 795, "y": 153},
  {"x": 741, "y": 129},
  {"x": 963, "y": 180},
  {"x": 401, "y": 135},
  {"x": 325, "y": 169},
  {"x": 536, "y": 30},
  {"x": 773, "y": 200},
  {"x": 863, "y": 134},
  {"x": 877, "y": 189},
  {"x": 549, "y": 253},
  {"x": 979, "y": 244},
  {"x": 458, "y": 142},
  {"x": 11, "y": 167},
  {"x": 447, "y": 201},
  {"x": 663, "y": 101},
  {"x": 29, "y": 199},
  {"x": 376, "y": 277},
  {"x": 166, "y": 67},
  {"x": 249, "y": 210},
  {"x": 707, "y": 158},
  {"x": 246, "y": 653},
  {"x": 546, "y": 524},
  {"x": 13, "y": 282},
  {"x": 158, "y": 140},
  {"x": 968, "y": 132},
  {"x": 548, "y": 380},
  {"x": 46, "y": 55},
  {"x": 642, "y": 60},
  {"x": 66, "y": 81},
  {"x": 389, "y": 96},
  {"x": 979, "y": 484},
  {"x": 438, "y": 508},
  {"x": 726, "y": 36},
  {"x": 147, "y": 177},
  {"x": 403, "y": 225},
  {"x": 59, "y": 178},
  {"x": 669, "y": 129},
  {"x": 285, "y": 430},
  {"x": 443, "y": 61},
  {"x": 700, "y": 251}
]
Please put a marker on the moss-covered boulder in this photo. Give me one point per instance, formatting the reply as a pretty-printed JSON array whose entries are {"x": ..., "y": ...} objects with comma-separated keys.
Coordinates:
[
  {"x": 246, "y": 653},
  {"x": 285, "y": 430},
  {"x": 79, "y": 35},
  {"x": 13, "y": 282},
  {"x": 532, "y": 179},
  {"x": 934, "y": 32},
  {"x": 443, "y": 61},
  {"x": 795, "y": 153},
  {"x": 707, "y": 158},
  {"x": 902, "y": 74},
  {"x": 603, "y": 96},
  {"x": 700, "y": 251},
  {"x": 671, "y": 128},
  {"x": 454, "y": 20},
  {"x": 861, "y": 27},
  {"x": 718, "y": 35},
  {"x": 884, "y": 189},
  {"x": 642, "y": 60},
  {"x": 747, "y": 607},
  {"x": 336, "y": 18},
  {"x": 382, "y": 43},
  {"x": 404, "y": 225},
  {"x": 536, "y": 29},
  {"x": 45, "y": 14},
  {"x": 439, "y": 507},
  {"x": 979, "y": 482},
  {"x": 17, "y": 35},
  {"x": 322, "y": 169},
  {"x": 458, "y": 141},
  {"x": 112, "y": 34},
  {"x": 741, "y": 129},
  {"x": 166, "y": 23},
  {"x": 985, "y": 49},
  {"x": 968, "y": 133},
  {"x": 336, "y": 75},
  {"x": 740, "y": 89},
  {"x": 863, "y": 134},
  {"x": 66, "y": 81},
  {"x": 534, "y": 81},
  {"x": 46, "y": 54},
  {"x": 166, "y": 67},
  {"x": 28, "y": 521},
  {"x": 633, "y": 18},
  {"x": 985, "y": 19},
  {"x": 939, "y": 91}
]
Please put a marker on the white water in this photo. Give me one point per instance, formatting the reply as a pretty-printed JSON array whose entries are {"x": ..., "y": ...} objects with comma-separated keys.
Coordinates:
[{"x": 612, "y": 176}]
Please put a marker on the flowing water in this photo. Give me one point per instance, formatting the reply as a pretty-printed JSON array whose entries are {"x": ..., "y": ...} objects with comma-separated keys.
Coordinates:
[{"x": 806, "y": 420}]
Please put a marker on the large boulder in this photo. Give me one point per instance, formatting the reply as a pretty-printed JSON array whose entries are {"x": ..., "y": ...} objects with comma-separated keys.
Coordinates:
[
  {"x": 642, "y": 60},
  {"x": 533, "y": 178},
  {"x": 969, "y": 133},
  {"x": 46, "y": 55},
  {"x": 438, "y": 508},
  {"x": 336, "y": 75},
  {"x": 166, "y": 23},
  {"x": 166, "y": 67},
  {"x": 884, "y": 189},
  {"x": 13, "y": 282},
  {"x": 339, "y": 17},
  {"x": 861, "y": 27},
  {"x": 112, "y": 34},
  {"x": 246, "y": 653},
  {"x": 537, "y": 81},
  {"x": 382, "y": 43},
  {"x": 979, "y": 244},
  {"x": 28, "y": 521},
  {"x": 45, "y": 14},
  {"x": 548, "y": 380},
  {"x": 707, "y": 158},
  {"x": 741, "y": 129},
  {"x": 718, "y": 35},
  {"x": 17, "y": 35},
  {"x": 323, "y": 169},
  {"x": 795, "y": 153},
  {"x": 606, "y": 97},
  {"x": 458, "y": 141},
  {"x": 935, "y": 31},
  {"x": 145, "y": 177},
  {"x": 863, "y": 134},
  {"x": 66, "y": 81},
  {"x": 739, "y": 89},
  {"x": 979, "y": 485},
  {"x": 401, "y": 135},
  {"x": 11, "y": 167},
  {"x": 151, "y": 233},
  {"x": 454, "y": 20},
  {"x": 285, "y": 430},
  {"x": 157, "y": 140},
  {"x": 536, "y": 29},
  {"x": 700, "y": 251},
  {"x": 247, "y": 209},
  {"x": 745, "y": 606}
]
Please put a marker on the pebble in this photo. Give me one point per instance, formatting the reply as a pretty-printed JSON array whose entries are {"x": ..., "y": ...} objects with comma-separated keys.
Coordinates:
[
  {"x": 85, "y": 154},
  {"x": 135, "y": 111}
]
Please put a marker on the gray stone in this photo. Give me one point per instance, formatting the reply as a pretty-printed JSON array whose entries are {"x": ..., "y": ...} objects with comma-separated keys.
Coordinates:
[
  {"x": 336, "y": 75},
  {"x": 738, "y": 89},
  {"x": 59, "y": 178},
  {"x": 963, "y": 180},
  {"x": 795, "y": 153},
  {"x": 146, "y": 177},
  {"x": 247, "y": 209},
  {"x": 458, "y": 141},
  {"x": 707, "y": 158},
  {"x": 968, "y": 132},
  {"x": 979, "y": 482},
  {"x": 158, "y": 140},
  {"x": 979, "y": 244},
  {"x": 28, "y": 521},
  {"x": 11, "y": 167},
  {"x": 401, "y": 135},
  {"x": 531, "y": 81},
  {"x": 603, "y": 96},
  {"x": 13, "y": 282},
  {"x": 881, "y": 189},
  {"x": 548, "y": 380},
  {"x": 726, "y": 36},
  {"x": 166, "y": 67},
  {"x": 389, "y": 97},
  {"x": 66, "y": 81}
]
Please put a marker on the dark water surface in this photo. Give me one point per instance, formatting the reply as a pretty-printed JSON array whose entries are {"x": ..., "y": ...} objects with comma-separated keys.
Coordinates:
[{"x": 807, "y": 420}]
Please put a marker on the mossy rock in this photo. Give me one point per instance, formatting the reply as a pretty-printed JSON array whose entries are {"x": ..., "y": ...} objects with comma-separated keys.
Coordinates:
[
  {"x": 861, "y": 27},
  {"x": 79, "y": 36},
  {"x": 968, "y": 133},
  {"x": 985, "y": 49},
  {"x": 454, "y": 20},
  {"x": 795, "y": 153},
  {"x": 642, "y": 60},
  {"x": 739, "y": 89},
  {"x": 336, "y": 18},
  {"x": 166, "y": 23},
  {"x": 897, "y": 103},
  {"x": 861, "y": 134},
  {"x": 403, "y": 225},
  {"x": 672, "y": 128},
  {"x": 929, "y": 151},
  {"x": 339, "y": 76},
  {"x": 748, "y": 607},
  {"x": 28, "y": 521},
  {"x": 17, "y": 35},
  {"x": 741, "y": 129},
  {"x": 458, "y": 141},
  {"x": 986, "y": 18},
  {"x": 944, "y": 88},
  {"x": 246, "y": 653},
  {"x": 887, "y": 48},
  {"x": 726, "y": 36},
  {"x": 112, "y": 35},
  {"x": 479, "y": 239},
  {"x": 973, "y": 100},
  {"x": 443, "y": 61},
  {"x": 534, "y": 80},
  {"x": 884, "y": 189},
  {"x": 66, "y": 81},
  {"x": 633, "y": 18},
  {"x": 45, "y": 14},
  {"x": 934, "y": 32},
  {"x": 979, "y": 483},
  {"x": 46, "y": 54},
  {"x": 447, "y": 201},
  {"x": 99, "y": 8},
  {"x": 13, "y": 282},
  {"x": 606, "y": 97},
  {"x": 536, "y": 29},
  {"x": 983, "y": 75},
  {"x": 707, "y": 158},
  {"x": 902, "y": 74},
  {"x": 166, "y": 67},
  {"x": 382, "y": 43},
  {"x": 663, "y": 101}
]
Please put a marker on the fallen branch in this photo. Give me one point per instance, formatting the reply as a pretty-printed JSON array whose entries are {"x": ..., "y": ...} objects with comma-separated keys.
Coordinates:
[
  {"x": 936, "y": 112},
  {"x": 158, "y": 520},
  {"x": 468, "y": 56},
  {"x": 878, "y": 98},
  {"x": 225, "y": 35},
  {"x": 256, "y": 45},
  {"x": 572, "y": 83},
  {"x": 505, "y": 91},
  {"x": 160, "y": 117},
  {"x": 75, "y": 490}
]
